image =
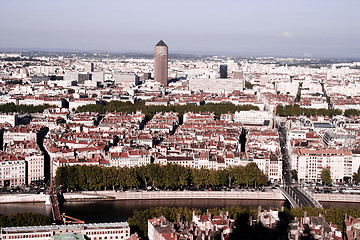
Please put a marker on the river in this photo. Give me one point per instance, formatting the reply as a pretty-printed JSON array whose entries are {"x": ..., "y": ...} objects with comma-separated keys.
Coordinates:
[{"x": 121, "y": 210}]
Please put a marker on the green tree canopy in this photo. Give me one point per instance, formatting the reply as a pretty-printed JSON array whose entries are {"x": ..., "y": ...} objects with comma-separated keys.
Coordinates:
[
  {"x": 23, "y": 108},
  {"x": 128, "y": 107},
  {"x": 296, "y": 110},
  {"x": 248, "y": 85},
  {"x": 170, "y": 176},
  {"x": 326, "y": 176},
  {"x": 356, "y": 176},
  {"x": 23, "y": 219}
]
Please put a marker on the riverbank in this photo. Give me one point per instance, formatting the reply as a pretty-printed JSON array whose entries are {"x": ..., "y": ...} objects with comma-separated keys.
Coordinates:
[
  {"x": 23, "y": 198},
  {"x": 273, "y": 194},
  {"x": 270, "y": 194},
  {"x": 337, "y": 197}
]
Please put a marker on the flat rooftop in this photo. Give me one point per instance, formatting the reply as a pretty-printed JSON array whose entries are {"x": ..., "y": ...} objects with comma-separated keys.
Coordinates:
[{"x": 64, "y": 227}]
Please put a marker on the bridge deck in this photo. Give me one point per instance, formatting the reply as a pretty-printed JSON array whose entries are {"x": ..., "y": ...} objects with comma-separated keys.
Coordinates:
[
  {"x": 292, "y": 202},
  {"x": 299, "y": 197}
]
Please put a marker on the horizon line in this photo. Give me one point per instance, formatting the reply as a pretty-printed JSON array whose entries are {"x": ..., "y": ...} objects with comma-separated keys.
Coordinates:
[{"x": 178, "y": 52}]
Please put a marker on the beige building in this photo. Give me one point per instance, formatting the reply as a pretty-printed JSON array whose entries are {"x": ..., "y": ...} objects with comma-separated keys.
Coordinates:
[
  {"x": 35, "y": 168},
  {"x": 12, "y": 172}
]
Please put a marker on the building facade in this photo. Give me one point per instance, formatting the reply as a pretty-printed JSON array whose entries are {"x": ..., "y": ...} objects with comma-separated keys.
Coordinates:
[
  {"x": 94, "y": 231},
  {"x": 12, "y": 172}
]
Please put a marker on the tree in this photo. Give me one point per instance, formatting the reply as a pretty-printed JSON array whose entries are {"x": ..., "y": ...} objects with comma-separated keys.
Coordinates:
[
  {"x": 223, "y": 177},
  {"x": 254, "y": 176},
  {"x": 356, "y": 176},
  {"x": 296, "y": 110},
  {"x": 294, "y": 174},
  {"x": 171, "y": 176},
  {"x": 142, "y": 173},
  {"x": 151, "y": 110},
  {"x": 326, "y": 176},
  {"x": 131, "y": 178},
  {"x": 23, "y": 108},
  {"x": 184, "y": 177},
  {"x": 200, "y": 177},
  {"x": 237, "y": 174},
  {"x": 23, "y": 219},
  {"x": 248, "y": 85},
  {"x": 351, "y": 112},
  {"x": 155, "y": 175}
]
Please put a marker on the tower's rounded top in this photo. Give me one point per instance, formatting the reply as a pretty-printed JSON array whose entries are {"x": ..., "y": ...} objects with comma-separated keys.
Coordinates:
[{"x": 161, "y": 43}]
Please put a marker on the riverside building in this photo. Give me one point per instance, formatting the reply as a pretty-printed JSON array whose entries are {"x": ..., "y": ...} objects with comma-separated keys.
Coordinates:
[{"x": 93, "y": 231}]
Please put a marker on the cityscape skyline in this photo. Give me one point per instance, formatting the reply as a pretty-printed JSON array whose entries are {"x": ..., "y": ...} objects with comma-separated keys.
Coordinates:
[
  {"x": 279, "y": 28},
  {"x": 256, "y": 106},
  {"x": 79, "y": 127}
]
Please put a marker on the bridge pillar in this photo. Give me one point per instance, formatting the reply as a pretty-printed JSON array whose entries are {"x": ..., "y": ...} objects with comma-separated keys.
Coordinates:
[{"x": 48, "y": 200}]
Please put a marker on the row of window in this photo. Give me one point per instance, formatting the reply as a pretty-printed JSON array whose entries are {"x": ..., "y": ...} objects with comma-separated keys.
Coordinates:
[
  {"x": 107, "y": 232},
  {"x": 12, "y": 168},
  {"x": 27, "y": 236},
  {"x": 41, "y": 236},
  {"x": 7, "y": 176},
  {"x": 110, "y": 237}
]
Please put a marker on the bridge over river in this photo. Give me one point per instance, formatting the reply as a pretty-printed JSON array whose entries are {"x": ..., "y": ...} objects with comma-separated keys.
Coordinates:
[{"x": 297, "y": 196}]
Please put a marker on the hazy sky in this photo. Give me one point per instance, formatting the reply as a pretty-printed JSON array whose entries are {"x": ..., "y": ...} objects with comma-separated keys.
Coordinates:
[{"x": 262, "y": 27}]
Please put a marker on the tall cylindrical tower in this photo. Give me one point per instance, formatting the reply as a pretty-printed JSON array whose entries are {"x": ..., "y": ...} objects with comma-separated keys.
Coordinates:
[{"x": 161, "y": 63}]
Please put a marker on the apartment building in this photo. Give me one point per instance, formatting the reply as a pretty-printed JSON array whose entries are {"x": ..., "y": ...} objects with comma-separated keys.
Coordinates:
[{"x": 310, "y": 163}]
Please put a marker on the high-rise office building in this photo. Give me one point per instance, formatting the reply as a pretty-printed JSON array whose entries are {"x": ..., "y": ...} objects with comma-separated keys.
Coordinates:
[
  {"x": 223, "y": 71},
  {"x": 161, "y": 63}
]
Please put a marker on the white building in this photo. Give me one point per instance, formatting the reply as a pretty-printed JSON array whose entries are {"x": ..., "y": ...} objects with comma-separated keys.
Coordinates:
[
  {"x": 8, "y": 118},
  {"x": 254, "y": 117},
  {"x": 297, "y": 134},
  {"x": 92, "y": 231},
  {"x": 216, "y": 85},
  {"x": 77, "y": 102},
  {"x": 290, "y": 88},
  {"x": 19, "y": 134},
  {"x": 12, "y": 172},
  {"x": 310, "y": 163},
  {"x": 271, "y": 166},
  {"x": 126, "y": 80},
  {"x": 129, "y": 159}
]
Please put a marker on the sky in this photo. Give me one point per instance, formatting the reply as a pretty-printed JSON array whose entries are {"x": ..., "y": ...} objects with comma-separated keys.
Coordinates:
[{"x": 319, "y": 28}]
